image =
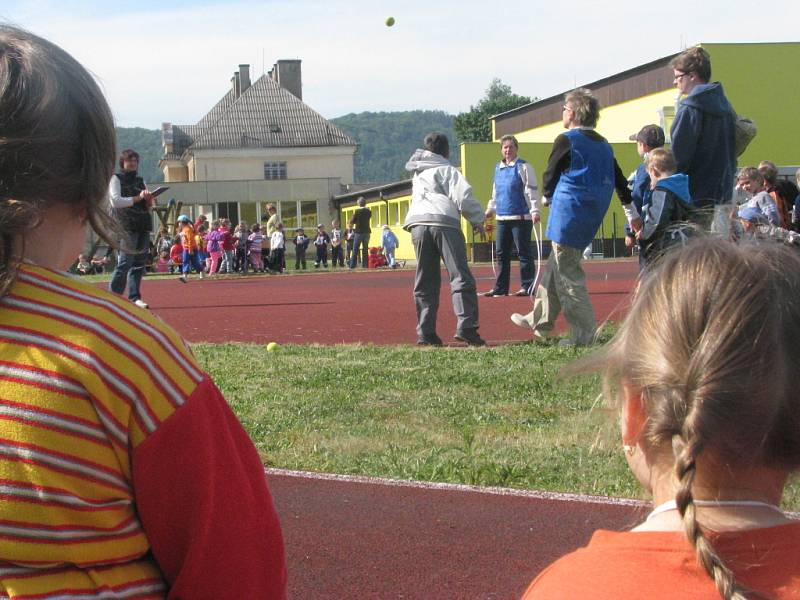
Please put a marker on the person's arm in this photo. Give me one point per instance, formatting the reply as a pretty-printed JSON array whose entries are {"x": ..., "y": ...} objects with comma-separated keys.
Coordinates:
[
  {"x": 685, "y": 133},
  {"x": 624, "y": 194},
  {"x": 559, "y": 161},
  {"x": 531, "y": 189},
  {"x": 491, "y": 206},
  {"x": 652, "y": 214},
  {"x": 202, "y": 497}
]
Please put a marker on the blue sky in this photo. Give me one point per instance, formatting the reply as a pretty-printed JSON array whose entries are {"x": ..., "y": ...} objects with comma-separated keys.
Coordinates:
[{"x": 171, "y": 61}]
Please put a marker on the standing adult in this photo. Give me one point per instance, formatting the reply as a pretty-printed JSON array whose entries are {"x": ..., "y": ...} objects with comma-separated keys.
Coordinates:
[
  {"x": 580, "y": 177},
  {"x": 131, "y": 204},
  {"x": 439, "y": 197},
  {"x": 515, "y": 205},
  {"x": 270, "y": 227},
  {"x": 703, "y": 131},
  {"x": 361, "y": 232}
]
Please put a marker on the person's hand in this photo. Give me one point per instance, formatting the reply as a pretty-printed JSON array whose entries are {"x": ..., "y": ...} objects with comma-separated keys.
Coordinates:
[
  {"x": 636, "y": 225},
  {"x": 489, "y": 213},
  {"x": 480, "y": 230},
  {"x": 628, "y": 241},
  {"x": 536, "y": 218}
]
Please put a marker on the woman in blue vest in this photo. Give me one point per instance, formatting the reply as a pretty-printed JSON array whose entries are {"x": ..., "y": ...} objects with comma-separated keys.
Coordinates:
[
  {"x": 581, "y": 175},
  {"x": 515, "y": 204}
]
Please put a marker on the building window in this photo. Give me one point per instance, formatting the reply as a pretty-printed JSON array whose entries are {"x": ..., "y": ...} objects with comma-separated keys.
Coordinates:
[{"x": 275, "y": 170}]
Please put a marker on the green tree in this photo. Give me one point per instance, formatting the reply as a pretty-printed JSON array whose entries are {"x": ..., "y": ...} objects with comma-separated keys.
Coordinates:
[{"x": 475, "y": 125}]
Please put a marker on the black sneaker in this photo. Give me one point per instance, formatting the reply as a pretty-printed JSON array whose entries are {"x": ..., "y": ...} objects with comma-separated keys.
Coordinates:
[
  {"x": 429, "y": 340},
  {"x": 470, "y": 337}
]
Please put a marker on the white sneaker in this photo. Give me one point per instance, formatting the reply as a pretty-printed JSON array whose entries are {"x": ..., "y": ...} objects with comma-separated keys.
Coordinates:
[
  {"x": 141, "y": 303},
  {"x": 182, "y": 279},
  {"x": 202, "y": 274},
  {"x": 520, "y": 321}
]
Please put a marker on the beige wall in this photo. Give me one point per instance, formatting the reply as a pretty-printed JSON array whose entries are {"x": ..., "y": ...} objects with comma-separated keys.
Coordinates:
[{"x": 248, "y": 164}]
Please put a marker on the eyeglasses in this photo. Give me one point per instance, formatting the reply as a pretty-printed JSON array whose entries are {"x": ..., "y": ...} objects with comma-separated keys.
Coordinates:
[{"x": 680, "y": 76}]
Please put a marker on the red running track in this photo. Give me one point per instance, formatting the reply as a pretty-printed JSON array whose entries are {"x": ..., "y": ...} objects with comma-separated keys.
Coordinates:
[{"x": 372, "y": 306}]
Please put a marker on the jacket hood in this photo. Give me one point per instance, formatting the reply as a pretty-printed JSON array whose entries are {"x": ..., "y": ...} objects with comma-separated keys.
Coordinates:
[
  {"x": 678, "y": 184},
  {"x": 425, "y": 159},
  {"x": 710, "y": 98}
]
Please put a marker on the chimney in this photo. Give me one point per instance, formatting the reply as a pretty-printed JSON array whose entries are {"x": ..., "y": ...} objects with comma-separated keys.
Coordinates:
[
  {"x": 237, "y": 85},
  {"x": 244, "y": 77},
  {"x": 287, "y": 74}
]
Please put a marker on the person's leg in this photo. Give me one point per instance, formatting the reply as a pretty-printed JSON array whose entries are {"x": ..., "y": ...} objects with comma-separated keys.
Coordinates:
[
  {"x": 365, "y": 250},
  {"x": 522, "y": 240},
  {"x": 354, "y": 254},
  {"x": 453, "y": 248},
  {"x": 427, "y": 282},
  {"x": 142, "y": 248},
  {"x": 571, "y": 282},
  {"x": 503, "y": 250},
  {"x": 125, "y": 252},
  {"x": 546, "y": 305}
]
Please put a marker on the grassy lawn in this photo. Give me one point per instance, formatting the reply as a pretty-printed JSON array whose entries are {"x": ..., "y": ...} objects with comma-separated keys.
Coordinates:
[{"x": 496, "y": 416}]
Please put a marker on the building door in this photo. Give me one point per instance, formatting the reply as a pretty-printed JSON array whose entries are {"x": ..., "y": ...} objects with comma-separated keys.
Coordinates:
[{"x": 228, "y": 210}]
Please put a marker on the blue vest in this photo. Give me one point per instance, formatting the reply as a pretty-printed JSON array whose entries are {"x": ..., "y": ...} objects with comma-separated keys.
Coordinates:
[
  {"x": 583, "y": 192},
  {"x": 509, "y": 191}
]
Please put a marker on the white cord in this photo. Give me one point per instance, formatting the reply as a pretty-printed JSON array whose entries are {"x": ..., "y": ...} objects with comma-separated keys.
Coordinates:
[
  {"x": 537, "y": 235},
  {"x": 494, "y": 271}
]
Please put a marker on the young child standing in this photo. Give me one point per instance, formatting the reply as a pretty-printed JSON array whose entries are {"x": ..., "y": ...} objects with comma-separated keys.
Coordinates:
[
  {"x": 389, "y": 243},
  {"x": 337, "y": 237},
  {"x": 256, "y": 239},
  {"x": 349, "y": 236},
  {"x": 228, "y": 243},
  {"x": 277, "y": 244},
  {"x": 241, "y": 234},
  {"x": 664, "y": 208},
  {"x": 300, "y": 242},
  {"x": 190, "y": 256},
  {"x": 214, "y": 249},
  {"x": 321, "y": 244}
]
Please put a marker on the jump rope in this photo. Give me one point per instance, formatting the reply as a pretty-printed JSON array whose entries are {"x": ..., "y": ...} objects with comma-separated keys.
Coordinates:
[{"x": 537, "y": 236}]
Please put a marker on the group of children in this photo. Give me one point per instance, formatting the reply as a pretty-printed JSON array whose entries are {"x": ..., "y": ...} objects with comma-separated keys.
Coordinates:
[
  {"x": 218, "y": 247},
  {"x": 764, "y": 205}
]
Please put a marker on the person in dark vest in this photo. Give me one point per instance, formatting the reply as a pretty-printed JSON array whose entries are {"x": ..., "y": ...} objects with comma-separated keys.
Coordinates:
[
  {"x": 515, "y": 205},
  {"x": 131, "y": 204},
  {"x": 361, "y": 226}
]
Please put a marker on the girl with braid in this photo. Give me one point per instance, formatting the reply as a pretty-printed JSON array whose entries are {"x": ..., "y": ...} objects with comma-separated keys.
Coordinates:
[{"x": 705, "y": 377}]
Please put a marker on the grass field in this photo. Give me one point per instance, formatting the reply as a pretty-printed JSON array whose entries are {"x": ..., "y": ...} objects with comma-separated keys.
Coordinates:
[{"x": 497, "y": 416}]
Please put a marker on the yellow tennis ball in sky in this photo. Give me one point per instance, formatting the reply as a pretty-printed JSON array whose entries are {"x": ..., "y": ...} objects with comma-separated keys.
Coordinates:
[
  {"x": 390, "y": 21},
  {"x": 272, "y": 346}
]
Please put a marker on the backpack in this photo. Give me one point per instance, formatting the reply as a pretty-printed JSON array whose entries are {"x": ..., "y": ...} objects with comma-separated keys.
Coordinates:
[{"x": 744, "y": 130}]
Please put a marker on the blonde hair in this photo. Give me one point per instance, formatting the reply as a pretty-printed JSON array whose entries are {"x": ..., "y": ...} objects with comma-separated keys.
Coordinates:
[
  {"x": 662, "y": 160},
  {"x": 711, "y": 342},
  {"x": 56, "y": 145}
]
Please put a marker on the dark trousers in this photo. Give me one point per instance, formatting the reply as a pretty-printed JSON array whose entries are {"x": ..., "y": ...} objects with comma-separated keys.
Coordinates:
[
  {"x": 300, "y": 258},
  {"x": 518, "y": 233},
  {"x": 362, "y": 240},
  {"x": 131, "y": 258},
  {"x": 322, "y": 256},
  {"x": 276, "y": 259},
  {"x": 337, "y": 255}
]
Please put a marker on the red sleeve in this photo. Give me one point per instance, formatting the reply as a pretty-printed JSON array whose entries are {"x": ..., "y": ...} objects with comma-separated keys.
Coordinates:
[{"x": 203, "y": 500}]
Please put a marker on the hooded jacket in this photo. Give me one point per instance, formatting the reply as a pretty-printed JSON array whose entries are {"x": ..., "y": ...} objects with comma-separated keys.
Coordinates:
[
  {"x": 703, "y": 143},
  {"x": 665, "y": 208},
  {"x": 440, "y": 195}
]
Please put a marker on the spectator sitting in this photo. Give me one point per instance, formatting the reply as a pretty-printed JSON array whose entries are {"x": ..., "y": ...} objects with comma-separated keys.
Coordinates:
[
  {"x": 757, "y": 227},
  {"x": 99, "y": 263},
  {"x": 84, "y": 267},
  {"x": 704, "y": 371},
  {"x": 162, "y": 265},
  {"x": 752, "y": 182},
  {"x": 782, "y": 191}
]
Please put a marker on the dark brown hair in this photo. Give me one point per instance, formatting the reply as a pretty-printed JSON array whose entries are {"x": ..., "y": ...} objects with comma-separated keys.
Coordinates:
[
  {"x": 694, "y": 60},
  {"x": 438, "y": 144},
  {"x": 57, "y": 142},
  {"x": 127, "y": 155}
]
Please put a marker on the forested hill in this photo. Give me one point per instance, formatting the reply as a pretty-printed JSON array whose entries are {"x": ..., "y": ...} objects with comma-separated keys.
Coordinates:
[
  {"x": 385, "y": 141},
  {"x": 147, "y": 142}
]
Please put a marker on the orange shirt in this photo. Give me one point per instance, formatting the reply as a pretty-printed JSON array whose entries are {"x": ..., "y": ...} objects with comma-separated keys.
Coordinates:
[{"x": 663, "y": 565}]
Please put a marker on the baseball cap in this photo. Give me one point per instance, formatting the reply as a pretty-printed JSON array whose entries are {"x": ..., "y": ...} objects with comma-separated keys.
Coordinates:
[
  {"x": 184, "y": 218},
  {"x": 652, "y": 135}
]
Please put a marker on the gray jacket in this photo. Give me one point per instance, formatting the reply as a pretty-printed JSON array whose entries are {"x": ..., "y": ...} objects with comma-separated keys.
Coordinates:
[{"x": 440, "y": 195}]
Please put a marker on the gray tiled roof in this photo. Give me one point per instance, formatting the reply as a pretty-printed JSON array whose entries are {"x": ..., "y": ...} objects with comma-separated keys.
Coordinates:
[{"x": 264, "y": 116}]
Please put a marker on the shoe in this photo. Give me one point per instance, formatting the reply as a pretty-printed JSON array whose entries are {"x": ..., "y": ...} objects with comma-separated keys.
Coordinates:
[
  {"x": 429, "y": 340},
  {"x": 520, "y": 321},
  {"x": 521, "y": 292},
  {"x": 141, "y": 303},
  {"x": 202, "y": 274},
  {"x": 571, "y": 343},
  {"x": 470, "y": 337},
  {"x": 492, "y": 293},
  {"x": 182, "y": 279}
]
